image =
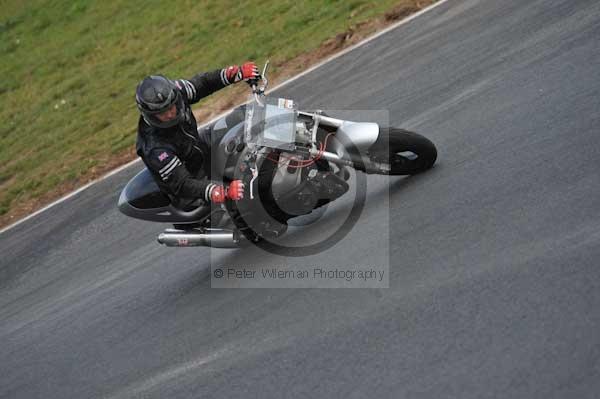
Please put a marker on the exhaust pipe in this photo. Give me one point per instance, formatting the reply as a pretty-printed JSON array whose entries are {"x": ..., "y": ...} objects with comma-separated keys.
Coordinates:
[{"x": 215, "y": 238}]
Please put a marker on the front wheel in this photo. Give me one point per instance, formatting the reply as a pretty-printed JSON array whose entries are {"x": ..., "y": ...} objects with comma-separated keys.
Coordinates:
[{"x": 407, "y": 153}]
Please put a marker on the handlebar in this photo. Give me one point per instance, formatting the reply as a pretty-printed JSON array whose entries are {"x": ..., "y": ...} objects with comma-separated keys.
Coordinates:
[{"x": 260, "y": 91}]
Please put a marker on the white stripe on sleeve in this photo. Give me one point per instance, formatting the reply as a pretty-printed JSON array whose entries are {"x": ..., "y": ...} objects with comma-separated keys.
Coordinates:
[
  {"x": 168, "y": 171},
  {"x": 165, "y": 175},
  {"x": 224, "y": 78},
  {"x": 167, "y": 166},
  {"x": 188, "y": 90},
  {"x": 191, "y": 90},
  {"x": 208, "y": 191}
]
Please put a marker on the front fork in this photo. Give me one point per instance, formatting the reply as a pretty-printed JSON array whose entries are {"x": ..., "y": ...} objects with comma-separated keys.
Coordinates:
[{"x": 359, "y": 136}]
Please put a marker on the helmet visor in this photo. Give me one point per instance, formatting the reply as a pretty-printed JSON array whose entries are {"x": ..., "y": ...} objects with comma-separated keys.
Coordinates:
[
  {"x": 171, "y": 116},
  {"x": 159, "y": 107},
  {"x": 170, "y": 113}
]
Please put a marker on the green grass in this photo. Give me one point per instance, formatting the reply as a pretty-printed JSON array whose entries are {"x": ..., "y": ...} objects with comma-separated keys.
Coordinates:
[{"x": 70, "y": 67}]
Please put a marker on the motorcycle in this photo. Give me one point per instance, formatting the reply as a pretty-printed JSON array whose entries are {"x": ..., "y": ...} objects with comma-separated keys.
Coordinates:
[{"x": 299, "y": 143}]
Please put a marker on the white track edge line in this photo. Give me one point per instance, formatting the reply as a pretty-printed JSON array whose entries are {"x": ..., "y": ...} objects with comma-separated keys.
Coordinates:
[{"x": 290, "y": 80}]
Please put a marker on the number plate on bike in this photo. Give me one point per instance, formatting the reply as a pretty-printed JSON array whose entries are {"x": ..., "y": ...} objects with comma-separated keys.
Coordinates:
[{"x": 272, "y": 124}]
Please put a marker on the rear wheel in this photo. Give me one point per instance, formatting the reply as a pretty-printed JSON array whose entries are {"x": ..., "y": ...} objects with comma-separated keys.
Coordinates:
[{"x": 408, "y": 153}]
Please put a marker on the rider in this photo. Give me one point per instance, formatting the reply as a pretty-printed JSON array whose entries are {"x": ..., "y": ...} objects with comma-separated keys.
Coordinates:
[
  {"x": 178, "y": 156},
  {"x": 168, "y": 141}
]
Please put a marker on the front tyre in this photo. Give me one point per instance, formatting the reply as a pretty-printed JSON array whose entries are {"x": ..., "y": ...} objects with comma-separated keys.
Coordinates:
[{"x": 407, "y": 153}]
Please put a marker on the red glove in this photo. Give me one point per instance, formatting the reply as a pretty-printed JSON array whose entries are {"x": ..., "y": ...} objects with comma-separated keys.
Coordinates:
[
  {"x": 247, "y": 71},
  {"x": 234, "y": 192}
]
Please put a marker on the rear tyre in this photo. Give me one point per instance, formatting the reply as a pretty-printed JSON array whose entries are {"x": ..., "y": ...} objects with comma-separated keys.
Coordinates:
[{"x": 408, "y": 153}]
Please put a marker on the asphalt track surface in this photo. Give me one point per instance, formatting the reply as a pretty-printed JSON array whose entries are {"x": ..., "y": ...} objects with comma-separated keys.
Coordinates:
[{"x": 494, "y": 286}]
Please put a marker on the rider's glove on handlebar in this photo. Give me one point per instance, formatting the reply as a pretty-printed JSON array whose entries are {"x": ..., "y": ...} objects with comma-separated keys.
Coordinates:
[
  {"x": 234, "y": 192},
  {"x": 246, "y": 71}
]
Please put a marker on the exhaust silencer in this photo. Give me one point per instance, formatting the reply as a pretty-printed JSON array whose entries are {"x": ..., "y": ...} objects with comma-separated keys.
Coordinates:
[{"x": 215, "y": 238}]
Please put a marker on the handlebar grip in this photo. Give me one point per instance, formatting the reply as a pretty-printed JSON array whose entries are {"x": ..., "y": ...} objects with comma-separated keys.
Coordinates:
[{"x": 253, "y": 82}]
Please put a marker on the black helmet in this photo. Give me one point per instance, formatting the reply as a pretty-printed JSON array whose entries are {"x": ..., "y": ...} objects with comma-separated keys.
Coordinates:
[{"x": 156, "y": 94}]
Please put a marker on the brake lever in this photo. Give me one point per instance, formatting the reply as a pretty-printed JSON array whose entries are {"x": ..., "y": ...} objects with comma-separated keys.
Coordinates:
[
  {"x": 257, "y": 93},
  {"x": 254, "y": 171}
]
